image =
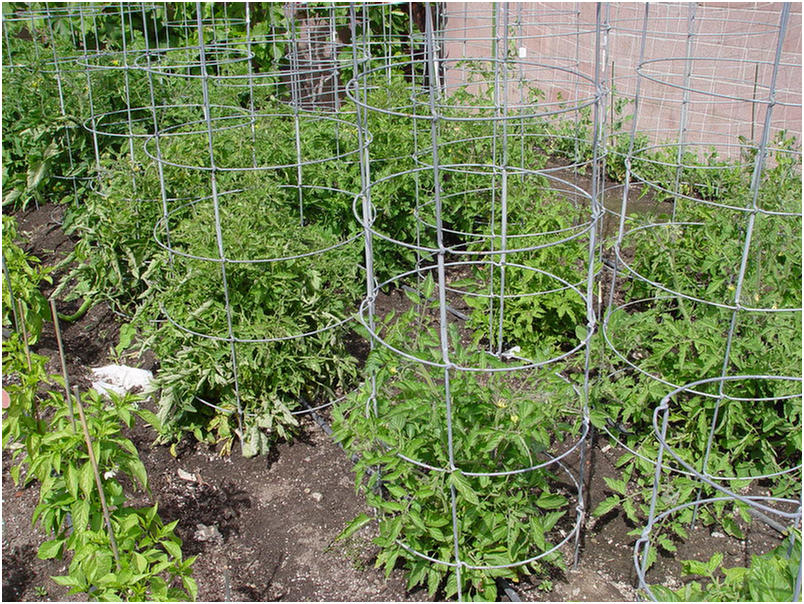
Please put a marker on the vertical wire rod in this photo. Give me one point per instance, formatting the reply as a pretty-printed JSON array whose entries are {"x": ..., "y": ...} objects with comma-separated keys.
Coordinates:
[
  {"x": 627, "y": 161},
  {"x": 596, "y": 206},
  {"x": 92, "y": 115},
  {"x": 442, "y": 289},
  {"x": 502, "y": 110},
  {"x": 216, "y": 209},
  {"x": 365, "y": 192},
  {"x": 160, "y": 170},
  {"x": 295, "y": 103},
  {"x": 62, "y": 105},
  {"x": 685, "y": 101},
  {"x": 127, "y": 90},
  {"x": 250, "y": 68},
  {"x": 756, "y": 179}
]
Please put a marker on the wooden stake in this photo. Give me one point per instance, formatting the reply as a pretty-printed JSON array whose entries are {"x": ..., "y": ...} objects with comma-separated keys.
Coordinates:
[
  {"x": 98, "y": 482},
  {"x": 57, "y": 329}
]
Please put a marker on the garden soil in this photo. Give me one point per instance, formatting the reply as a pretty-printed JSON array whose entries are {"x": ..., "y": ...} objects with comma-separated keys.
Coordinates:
[{"x": 264, "y": 529}]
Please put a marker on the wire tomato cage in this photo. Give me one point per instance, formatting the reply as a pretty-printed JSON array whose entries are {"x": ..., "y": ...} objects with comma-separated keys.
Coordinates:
[{"x": 591, "y": 209}]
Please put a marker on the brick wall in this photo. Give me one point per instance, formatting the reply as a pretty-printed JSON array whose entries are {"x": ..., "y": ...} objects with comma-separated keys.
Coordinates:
[{"x": 732, "y": 48}]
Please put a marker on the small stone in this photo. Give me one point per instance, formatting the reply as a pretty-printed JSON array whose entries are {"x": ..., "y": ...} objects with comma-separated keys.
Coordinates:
[
  {"x": 307, "y": 491},
  {"x": 718, "y": 534},
  {"x": 276, "y": 590},
  {"x": 317, "y": 496},
  {"x": 186, "y": 476},
  {"x": 207, "y": 533}
]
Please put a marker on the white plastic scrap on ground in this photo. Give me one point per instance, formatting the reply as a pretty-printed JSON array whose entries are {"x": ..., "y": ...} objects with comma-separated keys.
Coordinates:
[{"x": 121, "y": 379}]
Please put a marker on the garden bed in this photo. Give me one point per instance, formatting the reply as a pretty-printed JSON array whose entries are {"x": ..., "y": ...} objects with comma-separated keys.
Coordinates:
[{"x": 265, "y": 528}]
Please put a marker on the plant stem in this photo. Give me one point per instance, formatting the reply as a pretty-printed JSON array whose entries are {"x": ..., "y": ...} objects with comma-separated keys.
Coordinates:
[
  {"x": 27, "y": 348},
  {"x": 79, "y": 313},
  {"x": 98, "y": 482}
]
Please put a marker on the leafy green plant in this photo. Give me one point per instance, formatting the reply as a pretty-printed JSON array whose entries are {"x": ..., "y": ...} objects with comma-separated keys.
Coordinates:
[
  {"x": 24, "y": 371},
  {"x": 147, "y": 558},
  {"x": 540, "y": 312},
  {"x": 150, "y": 564},
  {"x": 279, "y": 300},
  {"x": 499, "y": 425},
  {"x": 771, "y": 577},
  {"x": 41, "y": 146},
  {"x": 115, "y": 249},
  {"x": 22, "y": 288},
  {"x": 676, "y": 340}
]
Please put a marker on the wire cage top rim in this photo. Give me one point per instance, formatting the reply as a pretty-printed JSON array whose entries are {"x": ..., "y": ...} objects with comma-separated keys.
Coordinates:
[
  {"x": 565, "y": 106},
  {"x": 526, "y": 363},
  {"x": 160, "y": 226},
  {"x": 774, "y": 100}
]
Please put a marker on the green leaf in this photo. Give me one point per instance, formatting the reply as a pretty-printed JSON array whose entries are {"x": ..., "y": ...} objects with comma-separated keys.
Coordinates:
[
  {"x": 735, "y": 575},
  {"x": 390, "y": 563},
  {"x": 418, "y": 574},
  {"x": 355, "y": 525},
  {"x": 137, "y": 470},
  {"x": 413, "y": 297},
  {"x": 694, "y": 567},
  {"x": 458, "y": 480},
  {"x": 172, "y": 548},
  {"x": 714, "y": 563},
  {"x": 598, "y": 418},
  {"x": 630, "y": 511},
  {"x": 667, "y": 544},
  {"x": 664, "y": 594},
  {"x": 150, "y": 418},
  {"x": 428, "y": 286},
  {"x": 191, "y": 586},
  {"x": 732, "y": 528},
  {"x": 547, "y": 501},
  {"x": 127, "y": 333},
  {"x": 69, "y": 581},
  {"x": 140, "y": 562},
  {"x": 606, "y": 505},
  {"x": 86, "y": 479},
  {"x": 80, "y": 511},
  {"x": 37, "y": 173},
  {"x": 50, "y": 549},
  {"x": 618, "y": 486},
  {"x": 433, "y": 581}
]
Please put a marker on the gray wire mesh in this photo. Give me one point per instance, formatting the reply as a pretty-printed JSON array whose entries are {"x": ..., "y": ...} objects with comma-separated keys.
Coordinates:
[
  {"x": 727, "y": 495},
  {"x": 692, "y": 195},
  {"x": 241, "y": 169},
  {"x": 514, "y": 142},
  {"x": 455, "y": 107}
]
